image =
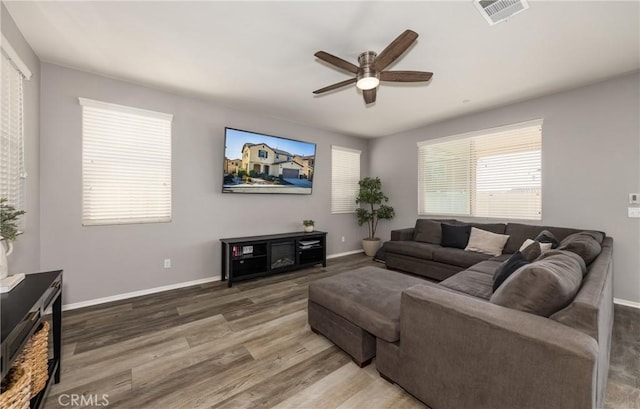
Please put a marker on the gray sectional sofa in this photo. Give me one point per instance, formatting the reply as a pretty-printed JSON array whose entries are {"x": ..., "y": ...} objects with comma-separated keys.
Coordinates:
[
  {"x": 458, "y": 343},
  {"x": 417, "y": 250}
]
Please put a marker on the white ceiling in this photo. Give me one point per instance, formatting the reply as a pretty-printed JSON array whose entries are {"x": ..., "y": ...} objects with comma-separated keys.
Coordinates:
[{"x": 258, "y": 56}]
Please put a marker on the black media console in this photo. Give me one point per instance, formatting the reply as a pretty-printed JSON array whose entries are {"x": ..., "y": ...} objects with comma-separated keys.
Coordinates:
[
  {"x": 248, "y": 257},
  {"x": 23, "y": 310}
]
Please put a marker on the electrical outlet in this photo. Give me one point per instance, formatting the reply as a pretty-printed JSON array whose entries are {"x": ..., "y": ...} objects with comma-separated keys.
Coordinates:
[
  {"x": 342, "y": 239},
  {"x": 634, "y": 212},
  {"x": 167, "y": 263}
]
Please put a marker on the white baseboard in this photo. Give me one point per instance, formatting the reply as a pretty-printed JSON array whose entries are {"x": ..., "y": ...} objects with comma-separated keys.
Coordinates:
[
  {"x": 154, "y": 290},
  {"x": 626, "y": 303},
  {"x": 346, "y": 253},
  {"x": 124, "y": 296}
]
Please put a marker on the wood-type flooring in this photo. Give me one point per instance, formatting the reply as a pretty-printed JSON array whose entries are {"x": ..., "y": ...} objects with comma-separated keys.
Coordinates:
[{"x": 248, "y": 346}]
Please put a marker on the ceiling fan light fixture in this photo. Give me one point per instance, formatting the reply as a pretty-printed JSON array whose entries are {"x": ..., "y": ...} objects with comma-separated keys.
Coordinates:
[
  {"x": 368, "y": 78},
  {"x": 366, "y": 83}
]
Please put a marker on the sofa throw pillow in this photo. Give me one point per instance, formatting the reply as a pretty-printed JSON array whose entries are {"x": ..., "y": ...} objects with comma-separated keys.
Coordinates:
[
  {"x": 545, "y": 236},
  {"x": 585, "y": 244},
  {"x": 517, "y": 260},
  {"x": 542, "y": 287},
  {"x": 428, "y": 231},
  {"x": 455, "y": 235},
  {"x": 543, "y": 246},
  {"x": 482, "y": 241}
]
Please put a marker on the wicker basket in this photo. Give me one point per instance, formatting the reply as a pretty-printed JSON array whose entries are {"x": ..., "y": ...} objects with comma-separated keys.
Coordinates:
[
  {"x": 35, "y": 355},
  {"x": 16, "y": 388}
]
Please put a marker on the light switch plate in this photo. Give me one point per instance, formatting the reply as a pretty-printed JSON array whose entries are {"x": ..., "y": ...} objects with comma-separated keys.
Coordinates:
[
  {"x": 634, "y": 198},
  {"x": 634, "y": 212}
]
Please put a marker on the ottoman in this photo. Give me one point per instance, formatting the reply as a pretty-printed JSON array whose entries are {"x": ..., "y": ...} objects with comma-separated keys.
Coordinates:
[{"x": 354, "y": 308}]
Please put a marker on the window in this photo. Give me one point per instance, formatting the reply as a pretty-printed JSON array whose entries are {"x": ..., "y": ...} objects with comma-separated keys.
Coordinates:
[
  {"x": 262, "y": 154},
  {"x": 345, "y": 174},
  {"x": 12, "y": 166},
  {"x": 126, "y": 164},
  {"x": 492, "y": 173}
]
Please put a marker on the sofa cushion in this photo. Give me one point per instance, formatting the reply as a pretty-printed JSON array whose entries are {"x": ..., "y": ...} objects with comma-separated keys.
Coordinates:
[
  {"x": 483, "y": 241},
  {"x": 473, "y": 283},
  {"x": 458, "y": 257},
  {"x": 455, "y": 235},
  {"x": 517, "y": 260},
  {"x": 518, "y": 233},
  {"x": 427, "y": 231},
  {"x": 585, "y": 244},
  {"x": 597, "y": 235},
  {"x": 402, "y": 234},
  {"x": 591, "y": 310},
  {"x": 502, "y": 257},
  {"x": 486, "y": 267},
  {"x": 576, "y": 257},
  {"x": 498, "y": 228},
  {"x": 542, "y": 287},
  {"x": 369, "y": 297},
  {"x": 411, "y": 248}
]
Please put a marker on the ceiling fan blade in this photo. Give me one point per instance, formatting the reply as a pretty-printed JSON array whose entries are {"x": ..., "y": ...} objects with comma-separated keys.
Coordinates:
[
  {"x": 394, "y": 50},
  {"x": 405, "y": 76},
  {"x": 335, "y": 86},
  {"x": 338, "y": 62},
  {"x": 369, "y": 95}
]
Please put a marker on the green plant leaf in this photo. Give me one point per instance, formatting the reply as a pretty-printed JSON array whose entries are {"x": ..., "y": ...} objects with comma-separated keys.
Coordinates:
[
  {"x": 370, "y": 194},
  {"x": 9, "y": 217}
]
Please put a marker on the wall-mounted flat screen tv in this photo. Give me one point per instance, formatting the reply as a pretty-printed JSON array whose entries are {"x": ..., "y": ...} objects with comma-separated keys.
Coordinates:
[{"x": 259, "y": 163}]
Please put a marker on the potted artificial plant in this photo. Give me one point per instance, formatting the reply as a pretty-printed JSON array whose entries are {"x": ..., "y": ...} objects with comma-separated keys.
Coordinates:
[
  {"x": 308, "y": 225},
  {"x": 370, "y": 195},
  {"x": 8, "y": 233}
]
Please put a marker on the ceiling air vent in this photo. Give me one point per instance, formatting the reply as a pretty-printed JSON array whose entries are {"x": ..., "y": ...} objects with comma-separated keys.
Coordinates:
[{"x": 495, "y": 11}]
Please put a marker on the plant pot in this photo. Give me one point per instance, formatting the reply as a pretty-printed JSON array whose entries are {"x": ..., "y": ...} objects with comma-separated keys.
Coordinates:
[
  {"x": 371, "y": 246},
  {"x": 4, "y": 263},
  {"x": 308, "y": 229}
]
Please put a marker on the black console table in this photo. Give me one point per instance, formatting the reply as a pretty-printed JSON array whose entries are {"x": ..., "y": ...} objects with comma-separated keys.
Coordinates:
[
  {"x": 248, "y": 257},
  {"x": 23, "y": 309}
]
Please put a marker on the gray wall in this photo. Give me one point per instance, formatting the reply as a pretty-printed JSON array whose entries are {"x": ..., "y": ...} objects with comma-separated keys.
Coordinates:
[
  {"x": 26, "y": 256},
  {"x": 591, "y": 162},
  {"x": 101, "y": 261}
]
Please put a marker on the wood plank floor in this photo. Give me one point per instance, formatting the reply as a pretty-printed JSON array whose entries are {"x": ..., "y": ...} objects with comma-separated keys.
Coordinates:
[{"x": 248, "y": 346}]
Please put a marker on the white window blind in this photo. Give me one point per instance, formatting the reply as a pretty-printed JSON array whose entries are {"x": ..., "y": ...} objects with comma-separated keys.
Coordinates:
[
  {"x": 493, "y": 173},
  {"x": 345, "y": 174},
  {"x": 12, "y": 166},
  {"x": 126, "y": 164}
]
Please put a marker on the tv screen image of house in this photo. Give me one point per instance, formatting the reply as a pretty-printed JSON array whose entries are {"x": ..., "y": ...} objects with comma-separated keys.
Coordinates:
[{"x": 259, "y": 163}]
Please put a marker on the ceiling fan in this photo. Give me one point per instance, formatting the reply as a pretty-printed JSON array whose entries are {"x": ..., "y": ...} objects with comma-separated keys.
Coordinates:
[{"x": 370, "y": 72}]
